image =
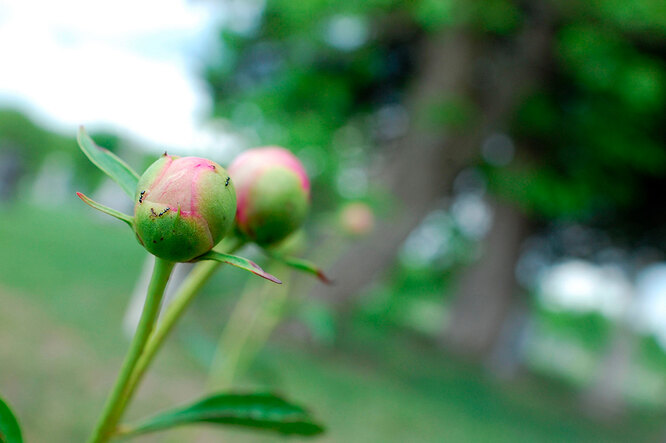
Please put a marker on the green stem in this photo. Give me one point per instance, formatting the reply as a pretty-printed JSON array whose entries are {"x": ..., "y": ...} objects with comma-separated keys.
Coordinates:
[
  {"x": 191, "y": 286},
  {"x": 114, "y": 407},
  {"x": 255, "y": 315}
]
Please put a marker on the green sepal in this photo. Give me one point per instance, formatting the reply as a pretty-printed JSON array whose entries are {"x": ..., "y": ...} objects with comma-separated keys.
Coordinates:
[
  {"x": 301, "y": 265},
  {"x": 239, "y": 262},
  {"x": 257, "y": 411},
  {"x": 105, "y": 209},
  {"x": 10, "y": 431},
  {"x": 109, "y": 163}
]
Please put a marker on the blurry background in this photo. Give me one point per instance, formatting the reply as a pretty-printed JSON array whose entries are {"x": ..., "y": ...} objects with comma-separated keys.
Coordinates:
[{"x": 488, "y": 195}]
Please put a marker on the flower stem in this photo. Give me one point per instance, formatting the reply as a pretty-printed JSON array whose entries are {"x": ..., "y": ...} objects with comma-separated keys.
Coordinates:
[
  {"x": 191, "y": 286},
  {"x": 257, "y": 312},
  {"x": 114, "y": 407}
]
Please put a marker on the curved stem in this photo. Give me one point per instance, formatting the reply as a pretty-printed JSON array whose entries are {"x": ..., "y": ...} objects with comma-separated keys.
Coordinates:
[
  {"x": 115, "y": 404},
  {"x": 255, "y": 315},
  {"x": 191, "y": 286}
]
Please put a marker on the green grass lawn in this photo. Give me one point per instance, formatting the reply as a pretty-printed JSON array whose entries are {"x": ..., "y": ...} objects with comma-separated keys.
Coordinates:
[{"x": 65, "y": 279}]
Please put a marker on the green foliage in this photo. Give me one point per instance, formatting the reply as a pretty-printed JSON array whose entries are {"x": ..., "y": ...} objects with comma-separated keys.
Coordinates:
[
  {"x": 10, "y": 432},
  {"x": 411, "y": 299},
  {"x": 436, "y": 14},
  {"x": 239, "y": 262},
  {"x": 651, "y": 354},
  {"x": 601, "y": 60},
  {"x": 109, "y": 163},
  {"x": 301, "y": 265},
  {"x": 46, "y": 237},
  {"x": 591, "y": 137},
  {"x": 34, "y": 143},
  {"x": 645, "y": 19},
  {"x": 591, "y": 329},
  {"x": 455, "y": 113},
  {"x": 489, "y": 16},
  {"x": 257, "y": 411},
  {"x": 105, "y": 209}
]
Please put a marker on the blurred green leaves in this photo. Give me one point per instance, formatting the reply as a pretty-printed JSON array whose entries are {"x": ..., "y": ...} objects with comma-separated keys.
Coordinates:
[
  {"x": 591, "y": 136},
  {"x": 602, "y": 60},
  {"x": 109, "y": 163},
  {"x": 643, "y": 18},
  {"x": 10, "y": 432},
  {"x": 489, "y": 16},
  {"x": 453, "y": 113}
]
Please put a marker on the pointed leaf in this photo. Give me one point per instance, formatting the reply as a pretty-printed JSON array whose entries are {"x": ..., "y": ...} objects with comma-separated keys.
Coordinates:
[
  {"x": 258, "y": 411},
  {"x": 10, "y": 432},
  {"x": 239, "y": 262},
  {"x": 105, "y": 209},
  {"x": 109, "y": 163},
  {"x": 302, "y": 265}
]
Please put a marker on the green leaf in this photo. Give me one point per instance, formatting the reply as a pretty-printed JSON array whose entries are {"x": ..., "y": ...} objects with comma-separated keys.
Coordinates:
[
  {"x": 258, "y": 411},
  {"x": 105, "y": 209},
  {"x": 239, "y": 262},
  {"x": 301, "y": 265},
  {"x": 10, "y": 432},
  {"x": 109, "y": 163}
]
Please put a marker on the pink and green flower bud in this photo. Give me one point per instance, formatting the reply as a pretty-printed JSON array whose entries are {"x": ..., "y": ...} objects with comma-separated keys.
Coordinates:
[
  {"x": 183, "y": 207},
  {"x": 357, "y": 219},
  {"x": 273, "y": 194}
]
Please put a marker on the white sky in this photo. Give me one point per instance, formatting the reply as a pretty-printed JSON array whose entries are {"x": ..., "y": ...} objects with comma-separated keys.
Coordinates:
[{"x": 128, "y": 65}]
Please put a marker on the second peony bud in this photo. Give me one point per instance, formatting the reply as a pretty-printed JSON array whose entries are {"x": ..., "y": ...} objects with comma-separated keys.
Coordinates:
[
  {"x": 184, "y": 206},
  {"x": 273, "y": 193}
]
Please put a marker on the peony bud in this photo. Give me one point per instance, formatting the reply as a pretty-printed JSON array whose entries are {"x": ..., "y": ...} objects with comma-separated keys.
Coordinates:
[
  {"x": 357, "y": 219},
  {"x": 273, "y": 193},
  {"x": 184, "y": 206}
]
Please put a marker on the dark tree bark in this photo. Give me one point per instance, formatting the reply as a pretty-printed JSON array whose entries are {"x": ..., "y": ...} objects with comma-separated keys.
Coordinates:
[
  {"x": 11, "y": 171},
  {"x": 488, "y": 288}
]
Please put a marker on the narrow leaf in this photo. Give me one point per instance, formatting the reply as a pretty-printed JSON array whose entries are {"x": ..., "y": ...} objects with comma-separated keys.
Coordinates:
[
  {"x": 258, "y": 411},
  {"x": 10, "y": 432},
  {"x": 105, "y": 209},
  {"x": 302, "y": 265},
  {"x": 109, "y": 163},
  {"x": 239, "y": 262}
]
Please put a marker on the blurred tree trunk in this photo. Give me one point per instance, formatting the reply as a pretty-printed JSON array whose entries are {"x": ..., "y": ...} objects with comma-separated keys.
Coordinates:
[
  {"x": 420, "y": 169},
  {"x": 488, "y": 290},
  {"x": 425, "y": 162},
  {"x": 11, "y": 171}
]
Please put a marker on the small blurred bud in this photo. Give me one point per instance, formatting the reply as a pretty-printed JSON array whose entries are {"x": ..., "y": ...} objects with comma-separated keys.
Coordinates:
[
  {"x": 357, "y": 219},
  {"x": 183, "y": 207},
  {"x": 273, "y": 194}
]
